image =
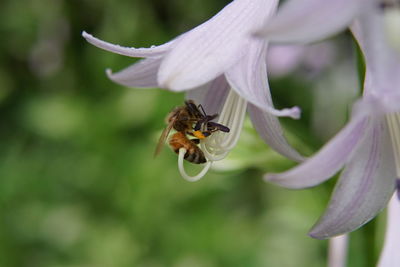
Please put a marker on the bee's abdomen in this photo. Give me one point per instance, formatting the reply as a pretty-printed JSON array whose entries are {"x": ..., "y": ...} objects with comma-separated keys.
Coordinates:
[
  {"x": 193, "y": 152},
  {"x": 197, "y": 156}
]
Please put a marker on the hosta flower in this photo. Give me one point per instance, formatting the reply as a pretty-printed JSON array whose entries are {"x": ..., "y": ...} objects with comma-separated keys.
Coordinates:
[
  {"x": 368, "y": 147},
  {"x": 222, "y": 67}
]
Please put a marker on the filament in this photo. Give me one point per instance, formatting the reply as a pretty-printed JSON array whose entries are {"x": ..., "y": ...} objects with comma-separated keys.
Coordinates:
[
  {"x": 181, "y": 158},
  {"x": 337, "y": 253},
  {"x": 219, "y": 144},
  {"x": 393, "y": 121}
]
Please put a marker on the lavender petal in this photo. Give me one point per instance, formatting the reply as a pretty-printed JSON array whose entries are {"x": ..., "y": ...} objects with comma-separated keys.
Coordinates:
[
  {"x": 382, "y": 61},
  {"x": 329, "y": 160},
  {"x": 390, "y": 255},
  {"x": 142, "y": 74},
  {"x": 155, "y": 51},
  {"x": 211, "y": 95},
  {"x": 270, "y": 130},
  {"x": 305, "y": 21},
  {"x": 208, "y": 50},
  {"x": 364, "y": 188},
  {"x": 249, "y": 79}
]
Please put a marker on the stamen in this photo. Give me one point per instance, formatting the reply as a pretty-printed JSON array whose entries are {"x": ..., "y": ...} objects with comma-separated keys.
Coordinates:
[
  {"x": 337, "y": 253},
  {"x": 393, "y": 121},
  {"x": 217, "y": 146},
  {"x": 181, "y": 158}
]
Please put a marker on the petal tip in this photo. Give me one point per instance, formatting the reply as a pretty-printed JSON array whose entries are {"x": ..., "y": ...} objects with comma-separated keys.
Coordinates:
[
  {"x": 165, "y": 85},
  {"x": 109, "y": 73},
  {"x": 316, "y": 235},
  {"x": 295, "y": 112},
  {"x": 86, "y": 35},
  {"x": 321, "y": 231},
  {"x": 269, "y": 177},
  {"x": 172, "y": 83}
]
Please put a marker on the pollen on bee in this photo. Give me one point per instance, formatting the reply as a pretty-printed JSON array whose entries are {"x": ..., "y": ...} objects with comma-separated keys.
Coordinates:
[{"x": 199, "y": 134}]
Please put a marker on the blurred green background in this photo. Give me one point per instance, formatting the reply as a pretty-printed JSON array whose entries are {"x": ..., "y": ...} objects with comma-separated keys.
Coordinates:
[{"x": 78, "y": 182}]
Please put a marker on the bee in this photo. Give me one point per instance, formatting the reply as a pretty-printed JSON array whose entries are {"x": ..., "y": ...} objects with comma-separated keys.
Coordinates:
[{"x": 189, "y": 120}]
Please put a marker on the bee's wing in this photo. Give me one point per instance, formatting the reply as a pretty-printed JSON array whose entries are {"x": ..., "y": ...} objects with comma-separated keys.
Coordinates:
[{"x": 163, "y": 137}]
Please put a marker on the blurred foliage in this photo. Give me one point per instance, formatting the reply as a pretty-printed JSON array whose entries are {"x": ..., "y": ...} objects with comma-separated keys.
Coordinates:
[{"x": 79, "y": 185}]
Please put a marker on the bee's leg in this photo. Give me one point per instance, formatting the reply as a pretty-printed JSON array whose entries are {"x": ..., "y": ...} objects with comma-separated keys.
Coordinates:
[
  {"x": 196, "y": 141},
  {"x": 209, "y": 117},
  {"x": 190, "y": 133},
  {"x": 207, "y": 133},
  {"x": 202, "y": 109},
  {"x": 197, "y": 126}
]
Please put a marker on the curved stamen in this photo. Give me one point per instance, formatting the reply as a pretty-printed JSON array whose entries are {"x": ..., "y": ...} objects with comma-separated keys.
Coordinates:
[
  {"x": 218, "y": 145},
  {"x": 181, "y": 158}
]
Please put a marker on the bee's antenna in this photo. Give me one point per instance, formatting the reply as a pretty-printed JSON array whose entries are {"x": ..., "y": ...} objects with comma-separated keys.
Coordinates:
[{"x": 202, "y": 109}]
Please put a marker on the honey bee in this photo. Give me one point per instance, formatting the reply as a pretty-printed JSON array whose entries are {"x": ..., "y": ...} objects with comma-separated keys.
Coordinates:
[{"x": 191, "y": 120}]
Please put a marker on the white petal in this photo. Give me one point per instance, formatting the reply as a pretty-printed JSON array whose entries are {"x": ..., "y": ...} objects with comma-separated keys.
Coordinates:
[
  {"x": 363, "y": 189},
  {"x": 211, "y": 96},
  {"x": 249, "y": 79},
  {"x": 382, "y": 62},
  {"x": 197, "y": 94},
  {"x": 329, "y": 160},
  {"x": 209, "y": 49},
  {"x": 304, "y": 21},
  {"x": 142, "y": 74},
  {"x": 270, "y": 130},
  {"x": 155, "y": 51},
  {"x": 390, "y": 255}
]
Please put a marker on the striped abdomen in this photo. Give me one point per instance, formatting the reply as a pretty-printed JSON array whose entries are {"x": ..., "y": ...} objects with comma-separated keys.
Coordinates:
[{"x": 193, "y": 152}]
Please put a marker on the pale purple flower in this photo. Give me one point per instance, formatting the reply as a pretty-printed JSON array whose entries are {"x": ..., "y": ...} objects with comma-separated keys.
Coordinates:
[
  {"x": 222, "y": 67},
  {"x": 368, "y": 148},
  {"x": 390, "y": 255}
]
